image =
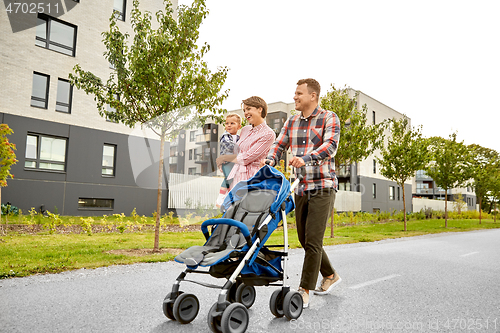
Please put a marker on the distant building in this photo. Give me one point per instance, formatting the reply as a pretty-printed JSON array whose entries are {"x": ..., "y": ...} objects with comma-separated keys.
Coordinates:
[{"x": 425, "y": 187}]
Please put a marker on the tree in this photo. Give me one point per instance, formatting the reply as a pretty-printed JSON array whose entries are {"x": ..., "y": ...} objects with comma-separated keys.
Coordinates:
[
  {"x": 405, "y": 153},
  {"x": 7, "y": 157},
  {"x": 483, "y": 162},
  {"x": 159, "y": 81},
  {"x": 450, "y": 166},
  {"x": 358, "y": 138}
]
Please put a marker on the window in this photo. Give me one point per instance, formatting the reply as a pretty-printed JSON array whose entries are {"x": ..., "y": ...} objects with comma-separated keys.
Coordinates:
[
  {"x": 108, "y": 160},
  {"x": 399, "y": 194},
  {"x": 45, "y": 153},
  {"x": 373, "y": 116},
  {"x": 119, "y": 7},
  {"x": 40, "y": 90},
  {"x": 374, "y": 190},
  {"x": 192, "y": 136},
  {"x": 64, "y": 96},
  {"x": 111, "y": 109},
  {"x": 190, "y": 154},
  {"x": 374, "y": 166},
  {"x": 391, "y": 192},
  {"x": 55, "y": 35},
  {"x": 93, "y": 203},
  {"x": 191, "y": 171}
]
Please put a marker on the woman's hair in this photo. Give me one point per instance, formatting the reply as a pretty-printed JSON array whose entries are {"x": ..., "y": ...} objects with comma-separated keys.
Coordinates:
[
  {"x": 257, "y": 102},
  {"x": 234, "y": 115}
]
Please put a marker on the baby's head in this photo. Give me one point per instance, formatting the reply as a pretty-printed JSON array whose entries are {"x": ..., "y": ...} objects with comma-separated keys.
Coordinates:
[{"x": 233, "y": 123}]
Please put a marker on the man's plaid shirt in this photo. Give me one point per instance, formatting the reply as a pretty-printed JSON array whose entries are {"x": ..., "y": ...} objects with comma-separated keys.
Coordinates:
[{"x": 315, "y": 139}]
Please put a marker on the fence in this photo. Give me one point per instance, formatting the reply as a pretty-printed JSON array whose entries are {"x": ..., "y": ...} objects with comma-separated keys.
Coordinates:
[
  {"x": 438, "y": 205},
  {"x": 189, "y": 192}
]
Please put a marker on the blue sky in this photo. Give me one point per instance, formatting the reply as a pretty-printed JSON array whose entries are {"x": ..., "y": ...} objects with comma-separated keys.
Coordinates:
[{"x": 435, "y": 61}]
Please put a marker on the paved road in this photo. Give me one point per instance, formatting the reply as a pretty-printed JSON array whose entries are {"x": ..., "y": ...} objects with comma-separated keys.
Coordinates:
[{"x": 438, "y": 283}]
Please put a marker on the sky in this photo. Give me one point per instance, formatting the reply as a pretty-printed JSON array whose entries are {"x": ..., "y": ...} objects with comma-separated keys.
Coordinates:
[{"x": 438, "y": 62}]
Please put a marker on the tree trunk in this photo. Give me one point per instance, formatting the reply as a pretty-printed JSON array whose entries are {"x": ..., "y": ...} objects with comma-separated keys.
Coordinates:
[
  {"x": 404, "y": 205},
  {"x": 495, "y": 212},
  {"x": 156, "y": 247},
  {"x": 446, "y": 208},
  {"x": 480, "y": 210}
]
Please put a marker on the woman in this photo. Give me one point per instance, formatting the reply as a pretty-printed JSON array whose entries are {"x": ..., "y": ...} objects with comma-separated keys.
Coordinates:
[{"x": 254, "y": 143}]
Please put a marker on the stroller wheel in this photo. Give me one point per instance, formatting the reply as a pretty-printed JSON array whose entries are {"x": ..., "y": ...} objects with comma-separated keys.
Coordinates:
[
  {"x": 235, "y": 319},
  {"x": 276, "y": 303},
  {"x": 168, "y": 307},
  {"x": 245, "y": 295},
  {"x": 232, "y": 292},
  {"x": 186, "y": 307},
  {"x": 214, "y": 319},
  {"x": 292, "y": 305}
]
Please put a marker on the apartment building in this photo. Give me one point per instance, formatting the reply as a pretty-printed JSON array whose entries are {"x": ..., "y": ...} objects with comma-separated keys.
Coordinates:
[
  {"x": 425, "y": 187},
  {"x": 70, "y": 159}
]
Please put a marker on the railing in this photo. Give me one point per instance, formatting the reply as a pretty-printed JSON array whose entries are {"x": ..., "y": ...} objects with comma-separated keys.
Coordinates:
[{"x": 202, "y": 138}]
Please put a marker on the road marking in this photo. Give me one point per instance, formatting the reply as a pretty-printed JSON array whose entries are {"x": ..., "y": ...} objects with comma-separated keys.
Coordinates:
[
  {"x": 368, "y": 283},
  {"x": 468, "y": 254}
]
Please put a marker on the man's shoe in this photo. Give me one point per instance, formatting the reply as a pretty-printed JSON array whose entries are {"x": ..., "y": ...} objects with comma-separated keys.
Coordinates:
[
  {"x": 305, "y": 298},
  {"x": 327, "y": 284}
]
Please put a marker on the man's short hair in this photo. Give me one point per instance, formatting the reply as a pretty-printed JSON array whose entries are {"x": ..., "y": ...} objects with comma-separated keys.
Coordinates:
[
  {"x": 257, "y": 102},
  {"x": 312, "y": 85},
  {"x": 234, "y": 115}
]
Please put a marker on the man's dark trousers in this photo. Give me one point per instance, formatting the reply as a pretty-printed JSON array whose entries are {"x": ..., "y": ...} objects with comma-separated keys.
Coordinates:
[{"x": 312, "y": 211}]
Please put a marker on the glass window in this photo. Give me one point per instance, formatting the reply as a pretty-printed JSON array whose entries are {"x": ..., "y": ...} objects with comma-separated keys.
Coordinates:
[
  {"x": 40, "y": 90},
  {"x": 391, "y": 192},
  {"x": 373, "y": 115},
  {"x": 192, "y": 136},
  {"x": 64, "y": 96},
  {"x": 46, "y": 153},
  {"x": 108, "y": 160},
  {"x": 374, "y": 190},
  {"x": 119, "y": 9},
  {"x": 374, "y": 166},
  {"x": 55, "y": 35},
  {"x": 93, "y": 203}
]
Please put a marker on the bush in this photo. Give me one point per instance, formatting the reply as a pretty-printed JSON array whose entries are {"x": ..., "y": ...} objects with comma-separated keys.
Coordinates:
[{"x": 8, "y": 209}]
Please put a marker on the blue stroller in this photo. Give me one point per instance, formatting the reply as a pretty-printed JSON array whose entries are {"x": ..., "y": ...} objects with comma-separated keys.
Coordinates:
[{"x": 235, "y": 251}]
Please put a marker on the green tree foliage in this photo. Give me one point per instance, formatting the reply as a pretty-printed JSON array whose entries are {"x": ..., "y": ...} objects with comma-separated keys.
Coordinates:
[
  {"x": 7, "y": 156},
  {"x": 483, "y": 163},
  {"x": 358, "y": 138},
  {"x": 159, "y": 79},
  {"x": 404, "y": 154},
  {"x": 450, "y": 165}
]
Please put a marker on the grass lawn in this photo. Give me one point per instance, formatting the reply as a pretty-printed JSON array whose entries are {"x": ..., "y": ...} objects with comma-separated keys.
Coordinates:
[{"x": 25, "y": 254}]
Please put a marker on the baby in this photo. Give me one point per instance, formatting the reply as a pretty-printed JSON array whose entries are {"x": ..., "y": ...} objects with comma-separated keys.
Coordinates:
[{"x": 227, "y": 145}]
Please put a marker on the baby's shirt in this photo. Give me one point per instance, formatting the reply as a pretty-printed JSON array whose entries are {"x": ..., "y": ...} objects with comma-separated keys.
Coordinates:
[{"x": 228, "y": 143}]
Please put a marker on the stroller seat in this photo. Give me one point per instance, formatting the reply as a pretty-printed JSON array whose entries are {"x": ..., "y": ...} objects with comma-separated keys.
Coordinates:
[{"x": 252, "y": 209}]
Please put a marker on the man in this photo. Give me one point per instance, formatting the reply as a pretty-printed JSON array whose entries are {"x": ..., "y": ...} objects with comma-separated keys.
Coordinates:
[{"x": 313, "y": 137}]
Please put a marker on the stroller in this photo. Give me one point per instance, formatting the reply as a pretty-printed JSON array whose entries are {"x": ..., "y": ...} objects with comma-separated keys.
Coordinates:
[{"x": 235, "y": 251}]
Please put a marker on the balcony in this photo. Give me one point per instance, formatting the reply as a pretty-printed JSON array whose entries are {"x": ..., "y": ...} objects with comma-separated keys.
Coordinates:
[
  {"x": 202, "y": 138},
  {"x": 173, "y": 159},
  {"x": 199, "y": 158},
  {"x": 344, "y": 171}
]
